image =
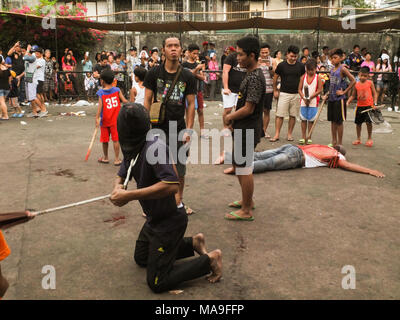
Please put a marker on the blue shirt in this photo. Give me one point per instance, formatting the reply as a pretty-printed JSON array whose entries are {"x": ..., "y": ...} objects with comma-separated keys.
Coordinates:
[{"x": 87, "y": 67}]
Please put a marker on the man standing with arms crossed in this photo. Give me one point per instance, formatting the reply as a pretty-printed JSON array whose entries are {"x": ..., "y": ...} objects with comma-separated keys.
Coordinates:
[
  {"x": 157, "y": 82},
  {"x": 246, "y": 124},
  {"x": 290, "y": 72}
]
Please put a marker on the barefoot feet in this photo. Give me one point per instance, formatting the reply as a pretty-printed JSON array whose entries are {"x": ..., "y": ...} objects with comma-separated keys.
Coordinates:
[
  {"x": 216, "y": 266},
  {"x": 199, "y": 244}
]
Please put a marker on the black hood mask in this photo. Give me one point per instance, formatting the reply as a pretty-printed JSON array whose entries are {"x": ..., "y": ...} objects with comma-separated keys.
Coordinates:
[{"x": 133, "y": 124}]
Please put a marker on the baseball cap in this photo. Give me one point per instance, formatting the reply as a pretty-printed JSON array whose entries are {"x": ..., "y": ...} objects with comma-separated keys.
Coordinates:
[
  {"x": 205, "y": 42},
  {"x": 385, "y": 56},
  {"x": 34, "y": 48},
  {"x": 133, "y": 48}
]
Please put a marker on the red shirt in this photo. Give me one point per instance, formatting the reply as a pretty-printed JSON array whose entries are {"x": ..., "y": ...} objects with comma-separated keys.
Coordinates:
[
  {"x": 364, "y": 94},
  {"x": 111, "y": 106}
]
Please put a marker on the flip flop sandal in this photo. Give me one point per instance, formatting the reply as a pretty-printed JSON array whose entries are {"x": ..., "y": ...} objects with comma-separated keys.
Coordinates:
[
  {"x": 369, "y": 144},
  {"x": 101, "y": 160},
  {"x": 330, "y": 145},
  {"x": 238, "y": 218},
  {"x": 302, "y": 141},
  {"x": 291, "y": 139},
  {"x": 273, "y": 140},
  {"x": 356, "y": 142},
  {"x": 309, "y": 141},
  {"x": 237, "y": 205},
  {"x": 117, "y": 164}
]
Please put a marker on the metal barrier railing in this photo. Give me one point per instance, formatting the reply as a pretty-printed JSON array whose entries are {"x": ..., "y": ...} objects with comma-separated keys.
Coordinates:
[{"x": 75, "y": 87}]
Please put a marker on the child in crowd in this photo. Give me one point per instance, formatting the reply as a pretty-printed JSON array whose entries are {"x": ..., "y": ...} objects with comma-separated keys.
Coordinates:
[
  {"x": 365, "y": 93},
  {"x": 369, "y": 63},
  {"x": 110, "y": 98},
  {"x": 119, "y": 75},
  {"x": 325, "y": 79},
  {"x": 137, "y": 91},
  {"x": 337, "y": 95},
  {"x": 90, "y": 84},
  {"x": 310, "y": 87}
]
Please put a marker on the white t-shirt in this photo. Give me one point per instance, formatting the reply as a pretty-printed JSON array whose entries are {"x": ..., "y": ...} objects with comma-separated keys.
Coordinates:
[
  {"x": 39, "y": 74},
  {"x": 312, "y": 162},
  {"x": 140, "y": 94}
]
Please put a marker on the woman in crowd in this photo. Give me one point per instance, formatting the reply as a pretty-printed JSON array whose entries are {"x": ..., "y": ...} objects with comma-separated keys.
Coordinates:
[
  {"x": 214, "y": 76},
  {"x": 382, "y": 82},
  {"x": 49, "y": 85},
  {"x": 5, "y": 79}
]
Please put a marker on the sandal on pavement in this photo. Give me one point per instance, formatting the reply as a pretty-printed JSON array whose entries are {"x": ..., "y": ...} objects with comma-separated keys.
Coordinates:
[
  {"x": 101, "y": 160},
  {"x": 236, "y": 204},
  {"x": 369, "y": 143},
  {"x": 238, "y": 218}
]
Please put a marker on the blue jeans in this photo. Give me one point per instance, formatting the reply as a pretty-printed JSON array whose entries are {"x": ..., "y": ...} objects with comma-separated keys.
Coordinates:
[{"x": 285, "y": 157}]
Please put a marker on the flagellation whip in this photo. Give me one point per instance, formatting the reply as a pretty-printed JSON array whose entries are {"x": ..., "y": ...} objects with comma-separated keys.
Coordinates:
[
  {"x": 91, "y": 144},
  {"x": 8, "y": 220}
]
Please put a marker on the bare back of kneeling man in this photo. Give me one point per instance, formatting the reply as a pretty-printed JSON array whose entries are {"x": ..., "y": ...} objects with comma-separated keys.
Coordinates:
[{"x": 161, "y": 240}]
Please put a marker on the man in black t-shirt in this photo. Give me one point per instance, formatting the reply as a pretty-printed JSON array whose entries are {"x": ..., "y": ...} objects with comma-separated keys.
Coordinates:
[
  {"x": 232, "y": 76},
  {"x": 18, "y": 66},
  {"x": 288, "y": 97},
  {"x": 100, "y": 67},
  {"x": 157, "y": 82},
  {"x": 196, "y": 68},
  {"x": 161, "y": 240},
  {"x": 246, "y": 122}
]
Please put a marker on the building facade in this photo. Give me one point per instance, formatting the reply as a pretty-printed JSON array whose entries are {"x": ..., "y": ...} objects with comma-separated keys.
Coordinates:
[{"x": 197, "y": 10}]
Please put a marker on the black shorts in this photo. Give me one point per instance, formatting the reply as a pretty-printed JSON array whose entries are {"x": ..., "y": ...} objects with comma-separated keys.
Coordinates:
[
  {"x": 243, "y": 147},
  {"x": 14, "y": 92},
  {"x": 39, "y": 88},
  {"x": 337, "y": 111},
  {"x": 362, "y": 117},
  {"x": 268, "y": 101}
]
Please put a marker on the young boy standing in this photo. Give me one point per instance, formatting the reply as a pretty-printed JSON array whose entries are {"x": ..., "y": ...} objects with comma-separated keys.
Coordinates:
[
  {"x": 246, "y": 122},
  {"x": 310, "y": 87},
  {"x": 138, "y": 89},
  {"x": 107, "y": 113},
  {"x": 337, "y": 95},
  {"x": 367, "y": 98}
]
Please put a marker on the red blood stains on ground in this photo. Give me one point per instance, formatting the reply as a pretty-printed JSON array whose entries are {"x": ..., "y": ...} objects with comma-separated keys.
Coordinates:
[{"x": 116, "y": 220}]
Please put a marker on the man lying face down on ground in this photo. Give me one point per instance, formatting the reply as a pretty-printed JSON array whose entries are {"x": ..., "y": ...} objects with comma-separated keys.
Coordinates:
[
  {"x": 161, "y": 240},
  {"x": 309, "y": 156}
]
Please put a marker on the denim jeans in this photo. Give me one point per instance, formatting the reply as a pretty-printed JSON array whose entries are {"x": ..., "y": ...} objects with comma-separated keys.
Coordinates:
[{"x": 285, "y": 157}]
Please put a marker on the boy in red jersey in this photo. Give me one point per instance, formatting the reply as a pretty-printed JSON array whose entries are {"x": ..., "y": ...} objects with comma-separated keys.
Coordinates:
[
  {"x": 107, "y": 113},
  {"x": 367, "y": 97}
]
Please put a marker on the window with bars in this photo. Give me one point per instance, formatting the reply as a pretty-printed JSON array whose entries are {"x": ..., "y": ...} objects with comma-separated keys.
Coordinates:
[
  {"x": 312, "y": 12},
  {"x": 237, "y": 6}
]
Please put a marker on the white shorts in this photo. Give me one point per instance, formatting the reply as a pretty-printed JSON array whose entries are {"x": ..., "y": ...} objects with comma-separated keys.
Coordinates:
[
  {"x": 288, "y": 103},
  {"x": 230, "y": 100},
  {"x": 30, "y": 91}
]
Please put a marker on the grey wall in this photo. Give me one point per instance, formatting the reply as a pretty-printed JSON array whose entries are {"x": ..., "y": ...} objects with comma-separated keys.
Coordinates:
[{"x": 373, "y": 41}]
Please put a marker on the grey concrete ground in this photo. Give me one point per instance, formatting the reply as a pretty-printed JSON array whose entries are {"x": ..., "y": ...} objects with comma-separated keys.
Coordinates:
[{"x": 308, "y": 223}]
